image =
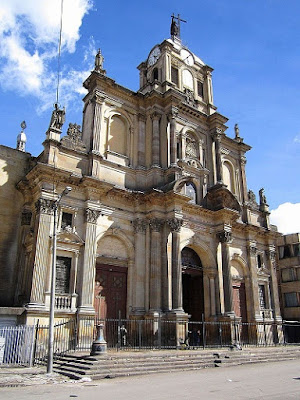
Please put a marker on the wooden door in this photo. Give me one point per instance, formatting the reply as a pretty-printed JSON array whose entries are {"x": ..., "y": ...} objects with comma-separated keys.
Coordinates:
[
  {"x": 110, "y": 291},
  {"x": 239, "y": 300}
]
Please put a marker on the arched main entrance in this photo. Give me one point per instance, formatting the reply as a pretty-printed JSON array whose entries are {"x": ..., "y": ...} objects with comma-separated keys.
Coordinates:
[
  {"x": 192, "y": 284},
  {"x": 110, "y": 295}
]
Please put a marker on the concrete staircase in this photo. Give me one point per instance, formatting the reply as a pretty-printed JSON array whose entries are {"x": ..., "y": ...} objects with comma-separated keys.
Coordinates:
[{"x": 120, "y": 364}]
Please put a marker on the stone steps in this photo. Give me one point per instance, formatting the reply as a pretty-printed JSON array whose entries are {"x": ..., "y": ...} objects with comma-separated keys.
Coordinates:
[{"x": 130, "y": 364}]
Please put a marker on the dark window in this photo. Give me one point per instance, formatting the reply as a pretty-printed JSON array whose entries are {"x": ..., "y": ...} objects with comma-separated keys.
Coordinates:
[
  {"x": 155, "y": 74},
  {"x": 296, "y": 249},
  {"x": 286, "y": 251},
  {"x": 259, "y": 262},
  {"x": 63, "y": 269},
  {"x": 291, "y": 299},
  {"x": 288, "y": 275},
  {"x": 66, "y": 220},
  {"x": 200, "y": 89},
  {"x": 174, "y": 75}
]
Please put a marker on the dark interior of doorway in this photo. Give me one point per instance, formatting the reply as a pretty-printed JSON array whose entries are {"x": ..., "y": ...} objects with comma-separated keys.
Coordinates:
[{"x": 192, "y": 293}]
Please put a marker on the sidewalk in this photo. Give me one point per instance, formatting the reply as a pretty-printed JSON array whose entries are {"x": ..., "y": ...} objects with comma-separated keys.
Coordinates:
[{"x": 26, "y": 376}]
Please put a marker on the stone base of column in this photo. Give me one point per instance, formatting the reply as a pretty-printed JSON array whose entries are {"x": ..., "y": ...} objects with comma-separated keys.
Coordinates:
[
  {"x": 86, "y": 310},
  {"x": 36, "y": 306},
  {"x": 178, "y": 321}
]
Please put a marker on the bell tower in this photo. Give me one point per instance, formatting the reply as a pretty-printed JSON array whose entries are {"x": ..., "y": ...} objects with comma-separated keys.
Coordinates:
[{"x": 172, "y": 66}]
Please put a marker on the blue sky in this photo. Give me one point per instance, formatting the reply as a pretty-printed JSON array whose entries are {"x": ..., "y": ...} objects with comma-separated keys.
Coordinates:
[{"x": 253, "y": 46}]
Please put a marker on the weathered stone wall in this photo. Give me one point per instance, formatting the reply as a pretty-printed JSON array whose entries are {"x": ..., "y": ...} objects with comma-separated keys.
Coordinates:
[{"x": 13, "y": 165}]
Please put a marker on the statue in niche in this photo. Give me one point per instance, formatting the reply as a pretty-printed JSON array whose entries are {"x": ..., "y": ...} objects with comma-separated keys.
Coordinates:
[
  {"x": 57, "y": 118},
  {"x": 190, "y": 149}
]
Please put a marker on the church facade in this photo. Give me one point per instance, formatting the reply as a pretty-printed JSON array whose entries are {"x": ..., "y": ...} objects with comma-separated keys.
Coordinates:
[{"x": 159, "y": 220}]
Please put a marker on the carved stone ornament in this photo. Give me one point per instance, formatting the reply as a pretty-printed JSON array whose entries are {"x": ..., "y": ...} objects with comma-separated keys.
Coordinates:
[
  {"x": 92, "y": 215},
  {"x": 26, "y": 217},
  {"x": 224, "y": 236},
  {"x": 252, "y": 250},
  {"x": 189, "y": 97},
  {"x": 73, "y": 140},
  {"x": 190, "y": 150},
  {"x": 140, "y": 225},
  {"x": 44, "y": 206},
  {"x": 271, "y": 254},
  {"x": 156, "y": 224},
  {"x": 175, "y": 224}
]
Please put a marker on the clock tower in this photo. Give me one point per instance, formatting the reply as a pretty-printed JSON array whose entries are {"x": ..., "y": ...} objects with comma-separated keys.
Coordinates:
[{"x": 172, "y": 66}]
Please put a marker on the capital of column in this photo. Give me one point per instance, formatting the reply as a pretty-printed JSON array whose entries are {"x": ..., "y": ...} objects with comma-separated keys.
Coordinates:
[
  {"x": 92, "y": 215},
  {"x": 216, "y": 134},
  {"x": 224, "y": 236},
  {"x": 140, "y": 225},
  {"x": 175, "y": 224},
  {"x": 98, "y": 98},
  {"x": 142, "y": 117},
  {"x": 156, "y": 224},
  {"x": 155, "y": 116},
  {"x": 271, "y": 253},
  {"x": 252, "y": 249},
  {"x": 45, "y": 206},
  {"x": 243, "y": 160},
  {"x": 172, "y": 114}
]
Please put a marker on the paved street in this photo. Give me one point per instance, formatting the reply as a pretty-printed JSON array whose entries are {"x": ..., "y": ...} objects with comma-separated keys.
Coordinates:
[{"x": 274, "y": 381}]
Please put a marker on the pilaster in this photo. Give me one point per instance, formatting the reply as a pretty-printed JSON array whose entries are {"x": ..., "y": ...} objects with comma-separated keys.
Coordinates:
[
  {"x": 155, "y": 264},
  {"x": 89, "y": 259},
  {"x": 225, "y": 238}
]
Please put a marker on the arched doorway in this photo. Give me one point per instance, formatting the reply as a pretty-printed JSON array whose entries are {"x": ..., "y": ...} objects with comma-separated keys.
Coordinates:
[
  {"x": 110, "y": 295},
  {"x": 192, "y": 284}
]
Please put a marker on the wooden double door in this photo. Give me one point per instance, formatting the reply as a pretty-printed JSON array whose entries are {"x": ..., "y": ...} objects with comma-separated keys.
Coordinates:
[{"x": 110, "y": 291}]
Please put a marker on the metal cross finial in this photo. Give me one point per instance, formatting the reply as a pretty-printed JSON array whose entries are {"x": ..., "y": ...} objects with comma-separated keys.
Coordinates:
[{"x": 175, "y": 26}]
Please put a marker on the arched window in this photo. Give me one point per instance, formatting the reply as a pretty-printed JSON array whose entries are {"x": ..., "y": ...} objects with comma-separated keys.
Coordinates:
[
  {"x": 187, "y": 79},
  {"x": 189, "y": 190},
  {"x": 117, "y": 140},
  {"x": 228, "y": 176}
]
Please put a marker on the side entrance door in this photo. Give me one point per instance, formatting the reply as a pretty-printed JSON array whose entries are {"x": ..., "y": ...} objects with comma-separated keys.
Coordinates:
[{"x": 110, "y": 291}]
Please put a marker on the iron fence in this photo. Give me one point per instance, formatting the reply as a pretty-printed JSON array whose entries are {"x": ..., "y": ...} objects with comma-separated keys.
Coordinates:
[
  {"x": 17, "y": 345},
  {"x": 28, "y": 345}
]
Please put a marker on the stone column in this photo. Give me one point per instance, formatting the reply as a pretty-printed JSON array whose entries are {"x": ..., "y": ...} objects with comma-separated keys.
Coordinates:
[
  {"x": 89, "y": 259},
  {"x": 175, "y": 225},
  {"x": 252, "y": 252},
  {"x": 212, "y": 291},
  {"x": 271, "y": 257},
  {"x": 155, "y": 139},
  {"x": 225, "y": 239},
  {"x": 141, "y": 140},
  {"x": 217, "y": 141},
  {"x": 140, "y": 226},
  {"x": 98, "y": 105},
  {"x": 44, "y": 209},
  {"x": 173, "y": 141},
  {"x": 155, "y": 264}
]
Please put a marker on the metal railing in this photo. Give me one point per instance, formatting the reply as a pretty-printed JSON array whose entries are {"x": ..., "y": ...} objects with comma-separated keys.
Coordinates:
[
  {"x": 28, "y": 345},
  {"x": 17, "y": 345}
]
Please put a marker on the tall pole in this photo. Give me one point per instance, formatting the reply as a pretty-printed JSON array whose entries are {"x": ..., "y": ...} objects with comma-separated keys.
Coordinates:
[{"x": 53, "y": 281}]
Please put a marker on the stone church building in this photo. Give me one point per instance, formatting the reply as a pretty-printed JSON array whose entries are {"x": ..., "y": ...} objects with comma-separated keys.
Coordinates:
[{"x": 159, "y": 220}]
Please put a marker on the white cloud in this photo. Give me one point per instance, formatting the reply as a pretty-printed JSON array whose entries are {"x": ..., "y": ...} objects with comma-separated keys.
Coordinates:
[
  {"x": 29, "y": 33},
  {"x": 286, "y": 217},
  {"x": 297, "y": 139}
]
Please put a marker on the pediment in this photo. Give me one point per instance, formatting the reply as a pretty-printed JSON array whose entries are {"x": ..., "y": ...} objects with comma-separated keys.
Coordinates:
[
  {"x": 69, "y": 237},
  {"x": 219, "y": 197}
]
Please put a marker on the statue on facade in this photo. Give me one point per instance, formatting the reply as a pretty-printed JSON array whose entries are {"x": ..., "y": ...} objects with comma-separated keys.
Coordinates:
[
  {"x": 237, "y": 131},
  {"x": 174, "y": 27},
  {"x": 57, "y": 118},
  {"x": 262, "y": 197},
  {"x": 99, "y": 62}
]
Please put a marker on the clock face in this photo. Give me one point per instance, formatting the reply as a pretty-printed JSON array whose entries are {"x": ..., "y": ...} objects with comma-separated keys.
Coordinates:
[
  {"x": 187, "y": 57},
  {"x": 154, "y": 56}
]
